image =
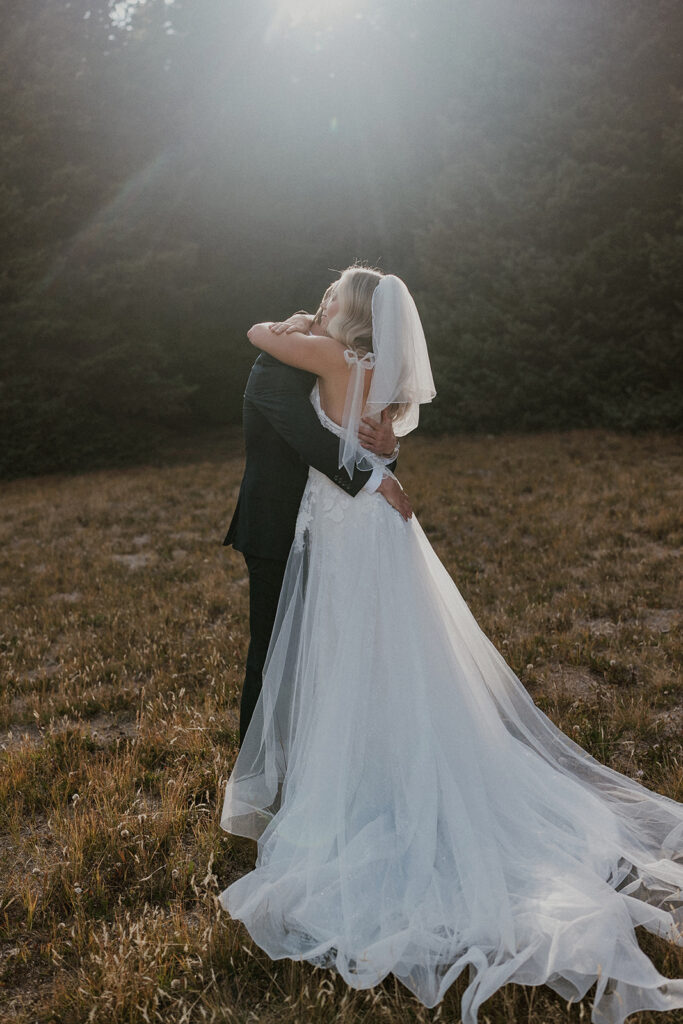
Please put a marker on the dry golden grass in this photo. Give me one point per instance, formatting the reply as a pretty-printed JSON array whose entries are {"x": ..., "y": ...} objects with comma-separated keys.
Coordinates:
[{"x": 123, "y": 641}]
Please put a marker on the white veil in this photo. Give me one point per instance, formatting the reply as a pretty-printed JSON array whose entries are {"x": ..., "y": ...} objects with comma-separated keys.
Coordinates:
[{"x": 402, "y": 371}]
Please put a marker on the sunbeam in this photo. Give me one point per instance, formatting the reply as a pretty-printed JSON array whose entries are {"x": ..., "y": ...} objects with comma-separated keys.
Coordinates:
[{"x": 321, "y": 13}]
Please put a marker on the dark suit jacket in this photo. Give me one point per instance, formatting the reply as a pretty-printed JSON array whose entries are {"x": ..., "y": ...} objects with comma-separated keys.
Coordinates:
[{"x": 283, "y": 437}]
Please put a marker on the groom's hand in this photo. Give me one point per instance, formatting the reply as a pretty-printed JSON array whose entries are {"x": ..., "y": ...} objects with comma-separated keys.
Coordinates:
[
  {"x": 377, "y": 437},
  {"x": 296, "y": 322},
  {"x": 391, "y": 491}
]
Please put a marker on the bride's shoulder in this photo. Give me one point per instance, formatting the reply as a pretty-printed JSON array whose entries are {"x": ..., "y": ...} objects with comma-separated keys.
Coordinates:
[{"x": 334, "y": 354}]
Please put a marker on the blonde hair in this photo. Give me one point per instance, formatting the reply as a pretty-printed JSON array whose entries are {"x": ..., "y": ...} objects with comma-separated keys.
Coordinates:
[{"x": 352, "y": 325}]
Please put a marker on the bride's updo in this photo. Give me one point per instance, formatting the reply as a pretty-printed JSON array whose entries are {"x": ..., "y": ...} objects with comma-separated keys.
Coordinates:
[{"x": 352, "y": 324}]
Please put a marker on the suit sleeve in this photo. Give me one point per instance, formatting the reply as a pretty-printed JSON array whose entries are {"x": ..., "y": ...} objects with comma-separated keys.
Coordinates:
[{"x": 284, "y": 400}]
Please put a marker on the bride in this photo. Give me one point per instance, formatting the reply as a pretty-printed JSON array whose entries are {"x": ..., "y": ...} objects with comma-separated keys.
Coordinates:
[{"x": 415, "y": 812}]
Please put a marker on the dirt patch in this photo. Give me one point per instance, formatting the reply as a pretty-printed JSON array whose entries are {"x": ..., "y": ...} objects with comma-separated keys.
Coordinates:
[
  {"x": 102, "y": 729},
  {"x": 135, "y": 561},
  {"x": 569, "y": 679},
  {"x": 598, "y": 627},
  {"x": 661, "y": 620},
  {"x": 669, "y": 724},
  {"x": 107, "y": 727},
  {"x": 70, "y": 598}
]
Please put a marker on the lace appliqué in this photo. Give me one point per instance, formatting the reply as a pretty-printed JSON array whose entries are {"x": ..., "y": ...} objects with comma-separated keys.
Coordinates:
[
  {"x": 304, "y": 517},
  {"x": 332, "y": 506}
]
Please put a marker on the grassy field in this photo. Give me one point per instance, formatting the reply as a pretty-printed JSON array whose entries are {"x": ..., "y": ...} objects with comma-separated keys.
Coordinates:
[{"x": 122, "y": 646}]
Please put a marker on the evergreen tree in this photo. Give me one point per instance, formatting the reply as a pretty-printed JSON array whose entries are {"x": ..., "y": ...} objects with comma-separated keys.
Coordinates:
[{"x": 170, "y": 175}]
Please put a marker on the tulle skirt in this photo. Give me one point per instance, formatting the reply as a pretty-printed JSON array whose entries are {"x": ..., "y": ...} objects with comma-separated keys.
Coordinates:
[{"x": 415, "y": 812}]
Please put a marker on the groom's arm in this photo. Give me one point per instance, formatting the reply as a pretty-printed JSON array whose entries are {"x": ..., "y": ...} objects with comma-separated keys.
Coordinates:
[{"x": 282, "y": 395}]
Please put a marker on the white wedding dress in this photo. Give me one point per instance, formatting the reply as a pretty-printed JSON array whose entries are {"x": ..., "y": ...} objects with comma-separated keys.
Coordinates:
[{"x": 416, "y": 812}]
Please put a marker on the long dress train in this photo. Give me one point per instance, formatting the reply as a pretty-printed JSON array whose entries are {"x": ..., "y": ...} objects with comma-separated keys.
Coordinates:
[{"x": 415, "y": 812}]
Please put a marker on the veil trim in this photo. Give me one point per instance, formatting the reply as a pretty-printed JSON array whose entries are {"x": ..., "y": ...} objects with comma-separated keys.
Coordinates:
[{"x": 401, "y": 371}]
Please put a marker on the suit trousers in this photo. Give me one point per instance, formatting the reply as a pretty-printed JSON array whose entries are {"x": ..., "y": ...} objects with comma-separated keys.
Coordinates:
[{"x": 265, "y": 583}]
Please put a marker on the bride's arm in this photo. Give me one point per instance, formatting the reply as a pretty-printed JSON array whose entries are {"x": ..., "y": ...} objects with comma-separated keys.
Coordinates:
[
  {"x": 323, "y": 356},
  {"x": 318, "y": 354}
]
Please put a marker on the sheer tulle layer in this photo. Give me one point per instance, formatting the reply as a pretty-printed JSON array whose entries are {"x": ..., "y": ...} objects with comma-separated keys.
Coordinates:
[{"x": 416, "y": 812}]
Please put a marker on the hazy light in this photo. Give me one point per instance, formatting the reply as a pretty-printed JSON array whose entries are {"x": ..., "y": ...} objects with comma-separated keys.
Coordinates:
[
  {"x": 121, "y": 13},
  {"x": 297, "y": 12}
]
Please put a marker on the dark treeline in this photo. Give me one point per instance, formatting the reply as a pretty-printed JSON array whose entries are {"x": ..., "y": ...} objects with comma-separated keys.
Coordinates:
[{"x": 174, "y": 172}]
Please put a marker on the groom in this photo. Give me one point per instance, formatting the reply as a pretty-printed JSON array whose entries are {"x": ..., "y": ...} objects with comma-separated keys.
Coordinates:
[{"x": 283, "y": 437}]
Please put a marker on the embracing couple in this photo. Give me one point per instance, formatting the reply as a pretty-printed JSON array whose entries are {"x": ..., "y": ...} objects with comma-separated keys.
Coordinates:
[
  {"x": 283, "y": 437},
  {"x": 415, "y": 812}
]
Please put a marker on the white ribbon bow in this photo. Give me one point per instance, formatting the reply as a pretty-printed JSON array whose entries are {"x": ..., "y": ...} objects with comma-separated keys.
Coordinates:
[{"x": 350, "y": 452}]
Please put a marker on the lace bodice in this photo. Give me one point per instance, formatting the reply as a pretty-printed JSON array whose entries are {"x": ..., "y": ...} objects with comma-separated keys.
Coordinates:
[
  {"x": 330, "y": 424},
  {"x": 322, "y": 497}
]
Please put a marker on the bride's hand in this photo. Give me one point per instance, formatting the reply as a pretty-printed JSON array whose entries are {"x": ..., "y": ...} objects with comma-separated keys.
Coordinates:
[
  {"x": 296, "y": 322},
  {"x": 391, "y": 491}
]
